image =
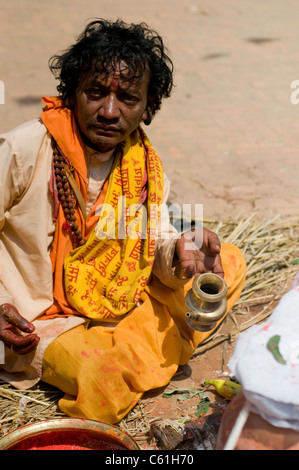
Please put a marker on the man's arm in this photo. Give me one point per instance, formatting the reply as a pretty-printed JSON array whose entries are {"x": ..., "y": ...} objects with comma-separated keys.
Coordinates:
[
  {"x": 194, "y": 260},
  {"x": 12, "y": 324},
  {"x": 177, "y": 258}
]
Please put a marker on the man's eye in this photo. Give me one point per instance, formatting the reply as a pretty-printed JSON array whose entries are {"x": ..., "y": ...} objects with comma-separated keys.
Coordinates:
[
  {"x": 94, "y": 93},
  {"x": 129, "y": 98}
]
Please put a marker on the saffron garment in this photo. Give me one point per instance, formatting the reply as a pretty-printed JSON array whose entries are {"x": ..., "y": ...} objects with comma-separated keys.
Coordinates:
[
  {"x": 82, "y": 284},
  {"x": 106, "y": 276}
]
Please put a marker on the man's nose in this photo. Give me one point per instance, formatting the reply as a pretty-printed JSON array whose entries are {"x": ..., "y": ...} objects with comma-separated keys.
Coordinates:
[{"x": 109, "y": 108}]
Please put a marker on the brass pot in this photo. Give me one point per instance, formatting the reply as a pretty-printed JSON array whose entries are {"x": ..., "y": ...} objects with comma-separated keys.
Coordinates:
[
  {"x": 68, "y": 434},
  {"x": 206, "y": 302}
]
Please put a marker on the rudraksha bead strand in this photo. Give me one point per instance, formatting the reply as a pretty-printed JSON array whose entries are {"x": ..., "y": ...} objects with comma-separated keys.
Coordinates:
[{"x": 67, "y": 199}]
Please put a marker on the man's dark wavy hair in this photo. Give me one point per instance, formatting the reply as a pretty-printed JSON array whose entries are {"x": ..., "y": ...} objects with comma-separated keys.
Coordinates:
[{"x": 104, "y": 44}]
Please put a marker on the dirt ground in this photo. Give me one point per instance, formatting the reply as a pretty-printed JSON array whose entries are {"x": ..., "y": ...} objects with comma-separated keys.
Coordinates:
[{"x": 227, "y": 136}]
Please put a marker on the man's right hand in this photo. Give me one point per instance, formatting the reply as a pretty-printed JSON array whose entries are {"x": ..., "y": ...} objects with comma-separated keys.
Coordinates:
[{"x": 12, "y": 325}]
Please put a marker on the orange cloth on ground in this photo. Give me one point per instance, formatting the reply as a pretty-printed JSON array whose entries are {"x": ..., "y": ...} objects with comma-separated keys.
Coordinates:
[{"x": 104, "y": 371}]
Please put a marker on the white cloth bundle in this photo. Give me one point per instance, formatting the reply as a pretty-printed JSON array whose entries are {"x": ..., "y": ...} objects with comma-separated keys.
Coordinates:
[{"x": 270, "y": 378}]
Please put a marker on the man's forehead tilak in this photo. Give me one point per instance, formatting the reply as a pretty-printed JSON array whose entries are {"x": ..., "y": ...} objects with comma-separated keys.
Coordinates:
[
  {"x": 119, "y": 75},
  {"x": 115, "y": 79}
]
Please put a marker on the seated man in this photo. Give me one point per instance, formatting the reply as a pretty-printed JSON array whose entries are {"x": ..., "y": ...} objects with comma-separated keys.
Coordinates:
[{"x": 89, "y": 303}]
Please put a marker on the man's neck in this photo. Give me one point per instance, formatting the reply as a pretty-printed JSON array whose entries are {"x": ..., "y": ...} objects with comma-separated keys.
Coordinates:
[{"x": 101, "y": 156}]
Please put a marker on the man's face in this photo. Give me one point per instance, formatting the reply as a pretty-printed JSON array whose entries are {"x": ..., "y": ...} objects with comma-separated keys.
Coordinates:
[{"x": 109, "y": 107}]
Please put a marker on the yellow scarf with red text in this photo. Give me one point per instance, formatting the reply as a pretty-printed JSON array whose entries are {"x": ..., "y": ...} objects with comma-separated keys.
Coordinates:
[{"x": 105, "y": 277}]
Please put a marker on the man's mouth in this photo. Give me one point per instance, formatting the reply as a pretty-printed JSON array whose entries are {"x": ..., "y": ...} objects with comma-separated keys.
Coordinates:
[{"x": 106, "y": 128}]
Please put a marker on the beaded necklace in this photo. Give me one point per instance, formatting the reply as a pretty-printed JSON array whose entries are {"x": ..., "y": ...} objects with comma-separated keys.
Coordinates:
[{"x": 67, "y": 196}]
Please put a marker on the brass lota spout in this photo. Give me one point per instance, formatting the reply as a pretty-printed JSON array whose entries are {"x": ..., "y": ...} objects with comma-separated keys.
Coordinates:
[{"x": 206, "y": 302}]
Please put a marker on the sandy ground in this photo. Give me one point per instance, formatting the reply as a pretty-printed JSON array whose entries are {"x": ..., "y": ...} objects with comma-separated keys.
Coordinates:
[{"x": 227, "y": 136}]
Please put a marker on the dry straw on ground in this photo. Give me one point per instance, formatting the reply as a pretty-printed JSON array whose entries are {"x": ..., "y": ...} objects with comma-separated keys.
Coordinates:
[{"x": 269, "y": 246}]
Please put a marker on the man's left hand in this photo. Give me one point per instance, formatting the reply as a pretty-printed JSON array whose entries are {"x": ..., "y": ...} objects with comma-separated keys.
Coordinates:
[{"x": 194, "y": 260}]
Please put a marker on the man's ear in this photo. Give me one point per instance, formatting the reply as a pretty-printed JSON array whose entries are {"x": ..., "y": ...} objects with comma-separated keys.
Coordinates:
[
  {"x": 148, "y": 114},
  {"x": 70, "y": 102}
]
